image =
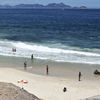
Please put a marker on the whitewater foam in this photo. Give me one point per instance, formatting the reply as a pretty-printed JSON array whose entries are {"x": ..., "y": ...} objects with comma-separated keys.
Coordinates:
[
  {"x": 52, "y": 50},
  {"x": 25, "y": 49}
]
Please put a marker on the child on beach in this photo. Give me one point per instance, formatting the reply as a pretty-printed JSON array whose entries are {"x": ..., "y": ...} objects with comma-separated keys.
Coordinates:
[{"x": 25, "y": 65}]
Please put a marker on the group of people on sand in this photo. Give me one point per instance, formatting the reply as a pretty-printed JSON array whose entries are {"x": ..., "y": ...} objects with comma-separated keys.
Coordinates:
[
  {"x": 47, "y": 69},
  {"x": 25, "y": 63},
  {"x": 79, "y": 79}
]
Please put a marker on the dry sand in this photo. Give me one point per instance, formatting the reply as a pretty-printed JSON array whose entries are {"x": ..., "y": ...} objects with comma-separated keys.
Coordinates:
[{"x": 51, "y": 88}]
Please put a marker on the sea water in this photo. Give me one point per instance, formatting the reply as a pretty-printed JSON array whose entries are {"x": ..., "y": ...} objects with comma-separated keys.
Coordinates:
[{"x": 66, "y": 35}]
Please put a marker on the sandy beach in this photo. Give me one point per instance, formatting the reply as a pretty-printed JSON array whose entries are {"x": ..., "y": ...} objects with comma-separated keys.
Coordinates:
[{"x": 50, "y": 87}]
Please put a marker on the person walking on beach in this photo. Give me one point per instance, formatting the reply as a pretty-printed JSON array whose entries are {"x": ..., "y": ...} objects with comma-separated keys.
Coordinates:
[
  {"x": 47, "y": 69},
  {"x": 79, "y": 76},
  {"x": 25, "y": 65}
]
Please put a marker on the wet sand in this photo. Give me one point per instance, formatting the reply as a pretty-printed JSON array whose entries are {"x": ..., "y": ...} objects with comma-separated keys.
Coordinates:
[{"x": 56, "y": 69}]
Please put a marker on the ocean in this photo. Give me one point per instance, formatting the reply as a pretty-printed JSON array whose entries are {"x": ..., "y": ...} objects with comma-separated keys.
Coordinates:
[{"x": 71, "y": 35}]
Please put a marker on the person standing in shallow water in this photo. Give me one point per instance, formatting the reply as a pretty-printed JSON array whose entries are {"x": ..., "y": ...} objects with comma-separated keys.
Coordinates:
[
  {"x": 47, "y": 70},
  {"x": 79, "y": 76},
  {"x": 32, "y": 57}
]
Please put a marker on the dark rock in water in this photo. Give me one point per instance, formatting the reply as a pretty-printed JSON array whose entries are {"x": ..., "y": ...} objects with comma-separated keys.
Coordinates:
[{"x": 96, "y": 72}]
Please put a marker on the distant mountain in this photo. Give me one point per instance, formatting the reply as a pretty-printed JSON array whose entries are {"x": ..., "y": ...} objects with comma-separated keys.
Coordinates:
[
  {"x": 83, "y": 7},
  {"x": 40, "y": 6},
  {"x": 5, "y": 6},
  {"x": 28, "y": 6},
  {"x": 58, "y": 5}
]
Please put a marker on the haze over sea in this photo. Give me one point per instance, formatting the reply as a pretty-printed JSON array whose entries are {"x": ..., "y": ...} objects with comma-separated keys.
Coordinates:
[{"x": 60, "y": 35}]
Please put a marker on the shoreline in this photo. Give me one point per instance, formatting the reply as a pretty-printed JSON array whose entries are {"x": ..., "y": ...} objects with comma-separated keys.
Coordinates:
[{"x": 56, "y": 69}]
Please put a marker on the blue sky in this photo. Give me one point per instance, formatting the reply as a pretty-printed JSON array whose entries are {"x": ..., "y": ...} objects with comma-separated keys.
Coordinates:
[{"x": 88, "y": 3}]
